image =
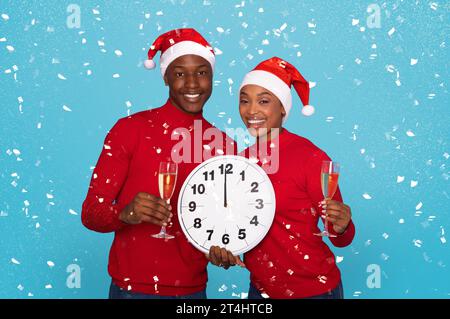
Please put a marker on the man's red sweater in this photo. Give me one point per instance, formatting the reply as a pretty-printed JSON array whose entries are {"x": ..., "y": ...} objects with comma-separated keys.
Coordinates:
[
  {"x": 291, "y": 262},
  {"x": 129, "y": 164}
]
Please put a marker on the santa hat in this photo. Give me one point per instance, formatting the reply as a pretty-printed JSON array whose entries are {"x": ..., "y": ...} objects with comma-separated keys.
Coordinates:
[
  {"x": 277, "y": 76},
  {"x": 176, "y": 43}
]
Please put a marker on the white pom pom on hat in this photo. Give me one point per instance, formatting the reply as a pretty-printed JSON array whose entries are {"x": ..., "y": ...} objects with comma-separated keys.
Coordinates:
[
  {"x": 149, "y": 64},
  {"x": 308, "y": 110}
]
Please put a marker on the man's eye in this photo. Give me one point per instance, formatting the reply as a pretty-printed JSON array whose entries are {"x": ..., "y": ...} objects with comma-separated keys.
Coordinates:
[
  {"x": 179, "y": 74},
  {"x": 202, "y": 73}
]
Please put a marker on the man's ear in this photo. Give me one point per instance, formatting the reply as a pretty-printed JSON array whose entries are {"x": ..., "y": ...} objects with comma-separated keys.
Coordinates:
[{"x": 166, "y": 81}]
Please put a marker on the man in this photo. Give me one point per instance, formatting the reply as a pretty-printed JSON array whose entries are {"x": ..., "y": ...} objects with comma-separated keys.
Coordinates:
[{"x": 123, "y": 194}]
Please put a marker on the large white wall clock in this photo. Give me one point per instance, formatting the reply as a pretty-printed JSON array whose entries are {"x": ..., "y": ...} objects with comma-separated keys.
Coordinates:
[{"x": 226, "y": 201}]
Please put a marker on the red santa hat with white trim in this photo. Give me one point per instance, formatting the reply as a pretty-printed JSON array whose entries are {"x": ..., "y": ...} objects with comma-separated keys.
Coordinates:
[
  {"x": 176, "y": 43},
  {"x": 277, "y": 76}
]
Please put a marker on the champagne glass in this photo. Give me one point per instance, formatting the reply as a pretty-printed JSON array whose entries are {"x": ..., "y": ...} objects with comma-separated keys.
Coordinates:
[
  {"x": 329, "y": 176},
  {"x": 167, "y": 178}
]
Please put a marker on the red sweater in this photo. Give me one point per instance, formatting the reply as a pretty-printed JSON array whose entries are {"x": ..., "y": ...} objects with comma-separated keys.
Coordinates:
[
  {"x": 129, "y": 164},
  {"x": 291, "y": 262}
]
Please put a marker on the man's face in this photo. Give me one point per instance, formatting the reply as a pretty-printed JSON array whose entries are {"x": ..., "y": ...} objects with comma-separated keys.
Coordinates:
[{"x": 189, "y": 78}]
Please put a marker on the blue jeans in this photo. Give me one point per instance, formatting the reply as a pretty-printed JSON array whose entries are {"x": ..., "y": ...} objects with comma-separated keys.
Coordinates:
[
  {"x": 115, "y": 292},
  {"x": 336, "y": 293}
]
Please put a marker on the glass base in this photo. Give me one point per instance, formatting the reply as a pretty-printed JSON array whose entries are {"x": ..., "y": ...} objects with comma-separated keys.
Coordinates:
[
  {"x": 324, "y": 233},
  {"x": 163, "y": 235}
]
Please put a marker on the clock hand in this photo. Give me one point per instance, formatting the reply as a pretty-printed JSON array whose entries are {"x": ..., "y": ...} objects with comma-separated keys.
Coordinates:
[{"x": 225, "y": 191}]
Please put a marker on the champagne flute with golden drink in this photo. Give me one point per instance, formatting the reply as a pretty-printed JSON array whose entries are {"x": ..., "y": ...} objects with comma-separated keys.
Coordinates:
[{"x": 167, "y": 178}]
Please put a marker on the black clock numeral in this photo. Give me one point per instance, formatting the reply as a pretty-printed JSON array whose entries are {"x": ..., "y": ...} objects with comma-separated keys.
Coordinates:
[
  {"x": 210, "y": 174},
  {"x": 260, "y": 204},
  {"x": 242, "y": 234},
  {"x": 225, "y": 239},
  {"x": 192, "y": 206},
  {"x": 254, "y": 221},
  {"x": 255, "y": 187},
  {"x": 227, "y": 169},
  {"x": 242, "y": 175},
  {"x": 198, "y": 188},
  {"x": 197, "y": 223},
  {"x": 210, "y": 231}
]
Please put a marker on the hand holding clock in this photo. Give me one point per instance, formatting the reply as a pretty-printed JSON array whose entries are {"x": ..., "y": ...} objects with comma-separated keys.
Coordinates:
[{"x": 223, "y": 258}]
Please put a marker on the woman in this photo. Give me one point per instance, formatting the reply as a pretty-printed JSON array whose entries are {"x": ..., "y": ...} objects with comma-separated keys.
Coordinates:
[{"x": 290, "y": 262}]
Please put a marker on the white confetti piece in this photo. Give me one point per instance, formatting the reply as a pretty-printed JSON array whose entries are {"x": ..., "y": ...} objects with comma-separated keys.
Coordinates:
[
  {"x": 223, "y": 288},
  {"x": 366, "y": 196},
  {"x": 49, "y": 196},
  {"x": 339, "y": 259},
  {"x": 400, "y": 179},
  {"x": 391, "y": 32},
  {"x": 220, "y": 30},
  {"x": 290, "y": 272},
  {"x": 312, "y": 84},
  {"x": 61, "y": 77},
  {"x": 15, "y": 261},
  {"x": 48, "y": 286},
  {"x": 159, "y": 13},
  {"x": 217, "y": 51},
  {"x": 355, "y": 22},
  {"x": 419, "y": 206},
  {"x": 410, "y": 133},
  {"x": 5, "y": 16},
  {"x": 414, "y": 61},
  {"x": 417, "y": 242},
  {"x": 50, "y": 263},
  {"x": 158, "y": 150},
  {"x": 10, "y": 48},
  {"x": 95, "y": 11},
  {"x": 385, "y": 236},
  {"x": 66, "y": 108},
  {"x": 443, "y": 240},
  {"x": 118, "y": 52},
  {"x": 414, "y": 183},
  {"x": 401, "y": 221},
  {"x": 116, "y": 75}
]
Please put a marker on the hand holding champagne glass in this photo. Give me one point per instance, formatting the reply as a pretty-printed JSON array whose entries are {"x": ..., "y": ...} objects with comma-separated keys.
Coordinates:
[
  {"x": 167, "y": 178},
  {"x": 329, "y": 176}
]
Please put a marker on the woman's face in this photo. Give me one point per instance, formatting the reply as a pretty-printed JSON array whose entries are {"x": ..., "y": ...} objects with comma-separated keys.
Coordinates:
[{"x": 260, "y": 110}]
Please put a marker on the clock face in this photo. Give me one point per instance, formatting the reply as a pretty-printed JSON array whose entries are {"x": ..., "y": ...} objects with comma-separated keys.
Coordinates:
[{"x": 226, "y": 201}]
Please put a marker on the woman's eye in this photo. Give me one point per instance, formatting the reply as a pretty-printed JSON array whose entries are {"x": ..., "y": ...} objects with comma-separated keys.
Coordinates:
[
  {"x": 263, "y": 101},
  {"x": 243, "y": 101}
]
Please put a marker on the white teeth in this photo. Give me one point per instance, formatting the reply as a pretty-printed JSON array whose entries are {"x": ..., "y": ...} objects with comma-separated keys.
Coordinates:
[
  {"x": 255, "y": 121},
  {"x": 192, "y": 96}
]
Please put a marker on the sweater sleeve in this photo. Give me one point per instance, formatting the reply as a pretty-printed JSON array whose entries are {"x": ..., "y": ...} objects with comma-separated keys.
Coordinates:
[
  {"x": 99, "y": 211},
  {"x": 314, "y": 190}
]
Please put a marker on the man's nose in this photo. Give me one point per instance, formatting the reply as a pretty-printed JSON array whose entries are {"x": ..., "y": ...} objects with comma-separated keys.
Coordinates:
[{"x": 191, "y": 81}]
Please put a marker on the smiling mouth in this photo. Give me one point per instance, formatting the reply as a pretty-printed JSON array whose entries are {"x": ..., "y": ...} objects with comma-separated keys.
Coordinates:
[
  {"x": 255, "y": 122},
  {"x": 192, "y": 96}
]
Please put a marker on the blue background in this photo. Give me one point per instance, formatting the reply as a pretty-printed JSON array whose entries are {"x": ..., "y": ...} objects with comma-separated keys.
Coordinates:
[{"x": 387, "y": 135}]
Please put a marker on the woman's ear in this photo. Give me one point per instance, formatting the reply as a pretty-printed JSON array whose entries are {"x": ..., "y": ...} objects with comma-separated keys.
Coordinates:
[{"x": 283, "y": 111}]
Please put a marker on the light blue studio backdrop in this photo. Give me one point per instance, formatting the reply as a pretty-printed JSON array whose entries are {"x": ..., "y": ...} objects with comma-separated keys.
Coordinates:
[{"x": 382, "y": 109}]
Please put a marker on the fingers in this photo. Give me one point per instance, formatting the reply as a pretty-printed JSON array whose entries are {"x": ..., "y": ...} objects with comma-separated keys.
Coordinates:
[
  {"x": 223, "y": 258},
  {"x": 152, "y": 209}
]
